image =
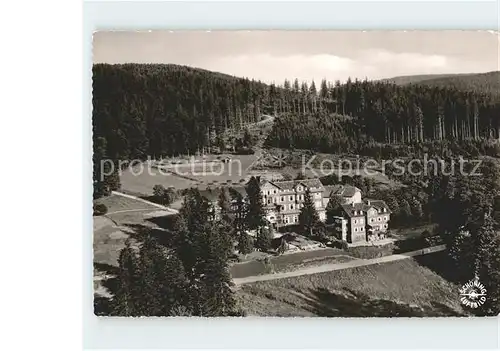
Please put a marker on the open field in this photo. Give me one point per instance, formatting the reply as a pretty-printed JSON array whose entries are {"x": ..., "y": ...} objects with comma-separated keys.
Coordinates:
[
  {"x": 143, "y": 183},
  {"x": 214, "y": 173},
  {"x": 402, "y": 288},
  {"x": 217, "y": 173},
  {"x": 125, "y": 218},
  {"x": 116, "y": 203},
  {"x": 196, "y": 174},
  {"x": 111, "y": 231},
  {"x": 108, "y": 241}
]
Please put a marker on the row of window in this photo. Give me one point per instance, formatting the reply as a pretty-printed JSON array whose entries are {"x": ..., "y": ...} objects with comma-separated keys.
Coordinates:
[
  {"x": 291, "y": 206},
  {"x": 275, "y": 200},
  {"x": 282, "y": 199},
  {"x": 294, "y": 219},
  {"x": 360, "y": 212},
  {"x": 275, "y": 191},
  {"x": 362, "y": 221},
  {"x": 362, "y": 229},
  {"x": 317, "y": 194},
  {"x": 378, "y": 219}
]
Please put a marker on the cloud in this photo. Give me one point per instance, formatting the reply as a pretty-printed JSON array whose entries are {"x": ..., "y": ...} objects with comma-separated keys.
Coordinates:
[
  {"x": 269, "y": 68},
  {"x": 276, "y": 55},
  {"x": 371, "y": 64}
]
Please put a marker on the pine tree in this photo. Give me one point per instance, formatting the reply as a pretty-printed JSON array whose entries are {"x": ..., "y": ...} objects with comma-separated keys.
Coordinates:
[
  {"x": 247, "y": 139},
  {"x": 308, "y": 217},
  {"x": 255, "y": 218},
  {"x": 496, "y": 209},
  {"x": 404, "y": 213},
  {"x": 391, "y": 202},
  {"x": 99, "y": 154},
  {"x": 216, "y": 298},
  {"x": 333, "y": 208},
  {"x": 159, "y": 193},
  {"x": 204, "y": 249},
  {"x": 245, "y": 245},
  {"x": 191, "y": 223},
  {"x": 150, "y": 263},
  {"x": 172, "y": 284},
  {"x": 224, "y": 204},
  {"x": 195, "y": 210},
  {"x": 264, "y": 239},
  {"x": 127, "y": 299},
  {"x": 111, "y": 178},
  {"x": 416, "y": 209},
  {"x": 487, "y": 263}
]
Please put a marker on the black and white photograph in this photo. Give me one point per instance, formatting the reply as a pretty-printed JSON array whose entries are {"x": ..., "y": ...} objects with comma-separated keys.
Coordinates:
[{"x": 277, "y": 173}]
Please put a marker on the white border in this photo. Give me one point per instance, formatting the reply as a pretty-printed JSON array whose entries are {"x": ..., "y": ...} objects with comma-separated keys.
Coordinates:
[{"x": 273, "y": 332}]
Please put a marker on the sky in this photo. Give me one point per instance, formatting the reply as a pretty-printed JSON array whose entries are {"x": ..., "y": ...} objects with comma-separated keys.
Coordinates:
[{"x": 273, "y": 56}]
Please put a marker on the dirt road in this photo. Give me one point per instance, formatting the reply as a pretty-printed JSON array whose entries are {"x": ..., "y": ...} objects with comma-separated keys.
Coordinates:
[
  {"x": 338, "y": 266},
  {"x": 171, "y": 210}
]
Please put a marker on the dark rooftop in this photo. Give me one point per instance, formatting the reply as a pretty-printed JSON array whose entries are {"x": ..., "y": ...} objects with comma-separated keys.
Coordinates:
[{"x": 360, "y": 209}]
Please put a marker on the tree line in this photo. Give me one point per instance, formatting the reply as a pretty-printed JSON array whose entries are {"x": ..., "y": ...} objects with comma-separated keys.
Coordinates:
[
  {"x": 466, "y": 208},
  {"x": 189, "y": 276},
  {"x": 368, "y": 114},
  {"x": 152, "y": 110},
  {"x": 157, "y": 110}
]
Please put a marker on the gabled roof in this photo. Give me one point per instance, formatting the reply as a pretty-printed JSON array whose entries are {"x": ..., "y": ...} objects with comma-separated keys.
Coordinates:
[
  {"x": 285, "y": 184},
  {"x": 328, "y": 190},
  {"x": 379, "y": 205},
  {"x": 360, "y": 209},
  {"x": 212, "y": 195},
  {"x": 310, "y": 183},
  {"x": 291, "y": 184},
  {"x": 264, "y": 182},
  {"x": 355, "y": 209},
  {"x": 342, "y": 190}
]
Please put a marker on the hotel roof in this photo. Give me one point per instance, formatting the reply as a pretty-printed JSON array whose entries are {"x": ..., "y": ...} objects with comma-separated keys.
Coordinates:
[
  {"x": 361, "y": 208},
  {"x": 341, "y": 190}
]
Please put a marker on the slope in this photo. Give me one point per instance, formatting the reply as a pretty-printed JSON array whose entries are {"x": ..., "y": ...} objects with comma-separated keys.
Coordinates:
[
  {"x": 488, "y": 82},
  {"x": 405, "y": 288}
]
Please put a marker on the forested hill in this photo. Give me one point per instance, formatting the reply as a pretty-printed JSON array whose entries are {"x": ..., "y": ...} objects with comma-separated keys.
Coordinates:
[
  {"x": 479, "y": 82},
  {"x": 391, "y": 114},
  {"x": 160, "y": 109},
  {"x": 152, "y": 110},
  {"x": 414, "y": 79}
]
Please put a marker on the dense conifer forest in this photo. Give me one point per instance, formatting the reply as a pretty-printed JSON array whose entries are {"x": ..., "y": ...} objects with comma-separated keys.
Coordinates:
[
  {"x": 384, "y": 113},
  {"x": 159, "y": 110},
  {"x": 155, "y": 110},
  {"x": 488, "y": 82}
]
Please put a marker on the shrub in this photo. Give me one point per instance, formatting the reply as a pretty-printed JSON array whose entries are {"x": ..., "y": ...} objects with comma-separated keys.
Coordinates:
[
  {"x": 100, "y": 209},
  {"x": 287, "y": 176},
  {"x": 426, "y": 234},
  {"x": 344, "y": 245}
]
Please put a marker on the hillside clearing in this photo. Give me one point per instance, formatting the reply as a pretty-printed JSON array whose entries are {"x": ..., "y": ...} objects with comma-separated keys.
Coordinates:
[{"x": 402, "y": 288}]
